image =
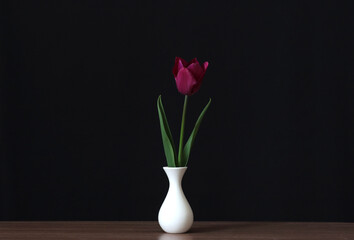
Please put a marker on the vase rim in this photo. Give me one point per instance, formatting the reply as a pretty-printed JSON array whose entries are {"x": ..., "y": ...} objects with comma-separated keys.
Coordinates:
[{"x": 174, "y": 168}]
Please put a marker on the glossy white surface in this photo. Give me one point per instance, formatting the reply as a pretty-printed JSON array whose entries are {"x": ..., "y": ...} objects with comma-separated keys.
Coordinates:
[{"x": 175, "y": 215}]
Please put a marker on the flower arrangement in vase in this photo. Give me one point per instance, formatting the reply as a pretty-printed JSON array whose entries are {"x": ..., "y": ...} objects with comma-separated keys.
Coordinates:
[{"x": 176, "y": 215}]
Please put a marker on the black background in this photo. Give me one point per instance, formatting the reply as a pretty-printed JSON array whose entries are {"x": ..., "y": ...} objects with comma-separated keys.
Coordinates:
[{"x": 79, "y": 131}]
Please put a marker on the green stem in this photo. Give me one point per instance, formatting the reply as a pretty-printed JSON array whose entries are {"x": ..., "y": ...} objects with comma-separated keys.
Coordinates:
[{"x": 182, "y": 133}]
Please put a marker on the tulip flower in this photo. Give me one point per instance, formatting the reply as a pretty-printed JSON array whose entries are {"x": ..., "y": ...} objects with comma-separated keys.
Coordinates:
[{"x": 188, "y": 78}]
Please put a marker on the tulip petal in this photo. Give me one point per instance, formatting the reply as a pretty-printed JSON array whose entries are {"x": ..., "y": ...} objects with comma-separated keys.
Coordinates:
[
  {"x": 194, "y": 60},
  {"x": 175, "y": 70},
  {"x": 196, "y": 70},
  {"x": 205, "y": 66},
  {"x": 184, "y": 62},
  {"x": 180, "y": 64},
  {"x": 185, "y": 82},
  {"x": 175, "y": 67}
]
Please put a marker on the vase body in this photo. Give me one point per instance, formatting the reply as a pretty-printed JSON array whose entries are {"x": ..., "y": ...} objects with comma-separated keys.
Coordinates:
[{"x": 175, "y": 215}]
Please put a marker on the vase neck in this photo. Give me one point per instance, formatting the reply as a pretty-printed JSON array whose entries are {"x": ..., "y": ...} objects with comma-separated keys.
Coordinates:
[{"x": 175, "y": 175}]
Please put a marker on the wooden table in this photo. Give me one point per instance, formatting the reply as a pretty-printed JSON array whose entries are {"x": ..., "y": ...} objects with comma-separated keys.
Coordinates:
[{"x": 200, "y": 230}]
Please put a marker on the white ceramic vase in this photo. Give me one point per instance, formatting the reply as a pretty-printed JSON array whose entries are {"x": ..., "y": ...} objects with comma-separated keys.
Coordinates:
[{"x": 175, "y": 215}]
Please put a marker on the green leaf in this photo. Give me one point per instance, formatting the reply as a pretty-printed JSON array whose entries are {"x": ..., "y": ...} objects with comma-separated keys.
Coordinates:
[
  {"x": 187, "y": 148},
  {"x": 167, "y": 138}
]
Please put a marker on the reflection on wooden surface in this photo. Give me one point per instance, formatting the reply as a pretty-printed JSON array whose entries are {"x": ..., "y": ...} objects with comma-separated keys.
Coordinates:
[
  {"x": 152, "y": 231},
  {"x": 171, "y": 236}
]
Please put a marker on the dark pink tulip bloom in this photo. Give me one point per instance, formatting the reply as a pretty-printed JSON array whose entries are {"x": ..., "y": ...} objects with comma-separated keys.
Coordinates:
[{"x": 188, "y": 76}]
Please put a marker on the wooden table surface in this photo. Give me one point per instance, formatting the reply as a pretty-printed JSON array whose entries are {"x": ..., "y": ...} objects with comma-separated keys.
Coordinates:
[{"x": 200, "y": 230}]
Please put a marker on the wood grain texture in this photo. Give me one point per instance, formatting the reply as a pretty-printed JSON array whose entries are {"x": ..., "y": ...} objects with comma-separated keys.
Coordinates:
[{"x": 200, "y": 230}]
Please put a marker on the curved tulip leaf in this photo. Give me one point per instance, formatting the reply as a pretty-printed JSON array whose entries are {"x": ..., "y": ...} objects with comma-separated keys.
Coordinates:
[
  {"x": 187, "y": 148},
  {"x": 167, "y": 139}
]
